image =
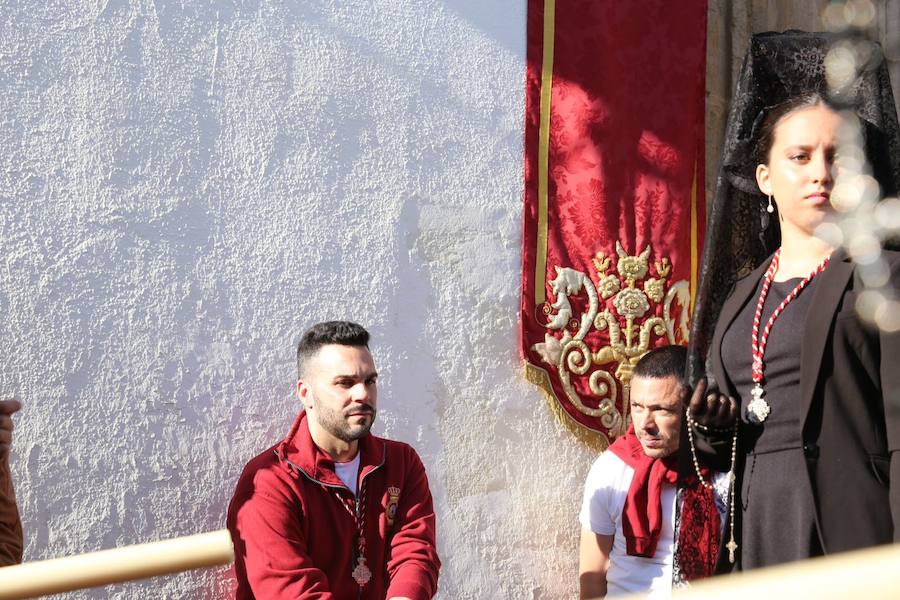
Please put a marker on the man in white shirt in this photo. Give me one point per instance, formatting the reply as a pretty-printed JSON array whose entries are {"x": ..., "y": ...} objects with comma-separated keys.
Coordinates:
[{"x": 628, "y": 516}]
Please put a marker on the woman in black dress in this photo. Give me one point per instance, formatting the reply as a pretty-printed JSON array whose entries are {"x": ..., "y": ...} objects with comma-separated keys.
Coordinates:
[{"x": 813, "y": 387}]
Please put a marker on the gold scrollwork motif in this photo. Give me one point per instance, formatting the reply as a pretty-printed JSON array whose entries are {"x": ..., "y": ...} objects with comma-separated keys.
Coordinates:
[
  {"x": 578, "y": 361},
  {"x": 628, "y": 318}
]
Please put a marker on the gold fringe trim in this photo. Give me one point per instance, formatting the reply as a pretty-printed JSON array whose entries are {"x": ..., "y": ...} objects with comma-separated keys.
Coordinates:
[{"x": 592, "y": 439}]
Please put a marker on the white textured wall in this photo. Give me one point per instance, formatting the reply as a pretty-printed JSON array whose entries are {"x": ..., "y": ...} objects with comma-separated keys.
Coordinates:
[{"x": 185, "y": 186}]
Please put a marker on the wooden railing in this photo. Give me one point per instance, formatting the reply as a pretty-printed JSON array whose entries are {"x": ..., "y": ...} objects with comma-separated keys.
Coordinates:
[
  {"x": 870, "y": 574},
  {"x": 95, "y": 569}
]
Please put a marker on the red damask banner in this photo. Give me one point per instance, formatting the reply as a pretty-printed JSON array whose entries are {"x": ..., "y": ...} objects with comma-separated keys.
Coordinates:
[{"x": 614, "y": 201}]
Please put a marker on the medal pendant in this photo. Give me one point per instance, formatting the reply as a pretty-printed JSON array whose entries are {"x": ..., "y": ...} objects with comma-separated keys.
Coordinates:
[
  {"x": 361, "y": 574},
  {"x": 758, "y": 409}
]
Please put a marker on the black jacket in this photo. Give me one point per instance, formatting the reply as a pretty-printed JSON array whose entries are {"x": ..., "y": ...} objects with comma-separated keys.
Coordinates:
[{"x": 850, "y": 409}]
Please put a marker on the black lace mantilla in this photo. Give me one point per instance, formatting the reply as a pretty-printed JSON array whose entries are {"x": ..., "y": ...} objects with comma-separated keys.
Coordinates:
[{"x": 740, "y": 234}]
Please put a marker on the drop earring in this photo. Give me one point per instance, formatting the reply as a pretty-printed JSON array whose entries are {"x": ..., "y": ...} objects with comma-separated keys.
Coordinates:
[{"x": 770, "y": 209}]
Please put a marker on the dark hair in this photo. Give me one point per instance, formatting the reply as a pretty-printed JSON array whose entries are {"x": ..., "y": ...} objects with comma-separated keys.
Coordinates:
[
  {"x": 775, "y": 115},
  {"x": 343, "y": 333},
  {"x": 667, "y": 361}
]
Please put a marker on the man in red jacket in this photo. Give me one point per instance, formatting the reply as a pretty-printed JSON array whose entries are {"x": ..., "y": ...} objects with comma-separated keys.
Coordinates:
[
  {"x": 333, "y": 512},
  {"x": 10, "y": 526}
]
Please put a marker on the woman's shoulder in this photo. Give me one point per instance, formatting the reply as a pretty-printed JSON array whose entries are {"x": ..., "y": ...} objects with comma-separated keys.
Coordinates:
[{"x": 891, "y": 256}]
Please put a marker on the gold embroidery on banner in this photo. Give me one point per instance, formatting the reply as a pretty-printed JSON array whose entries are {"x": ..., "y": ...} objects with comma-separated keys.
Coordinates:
[
  {"x": 594, "y": 440},
  {"x": 630, "y": 326}
]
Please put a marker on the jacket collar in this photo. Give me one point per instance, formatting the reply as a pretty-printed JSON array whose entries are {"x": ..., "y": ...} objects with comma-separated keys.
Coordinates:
[
  {"x": 298, "y": 451},
  {"x": 827, "y": 294}
]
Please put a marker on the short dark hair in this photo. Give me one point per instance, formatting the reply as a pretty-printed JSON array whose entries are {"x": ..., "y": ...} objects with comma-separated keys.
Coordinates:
[
  {"x": 343, "y": 333},
  {"x": 667, "y": 361}
]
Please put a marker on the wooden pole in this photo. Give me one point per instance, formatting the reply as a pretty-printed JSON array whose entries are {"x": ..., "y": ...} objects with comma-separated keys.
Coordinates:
[
  {"x": 872, "y": 574},
  {"x": 95, "y": 569}
]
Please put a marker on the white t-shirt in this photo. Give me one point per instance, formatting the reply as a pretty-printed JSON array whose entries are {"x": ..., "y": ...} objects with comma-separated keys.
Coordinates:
[
  {"x": 605, "y": 492},
  {"x": 348, "y": 472}
]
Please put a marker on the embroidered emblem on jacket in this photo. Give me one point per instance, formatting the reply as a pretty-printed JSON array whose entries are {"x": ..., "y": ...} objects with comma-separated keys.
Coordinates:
[{"x": 390, "y": 511}]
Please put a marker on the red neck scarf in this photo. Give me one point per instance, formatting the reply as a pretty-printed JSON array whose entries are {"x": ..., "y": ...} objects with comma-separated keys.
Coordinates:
[
  {"x": 698, "y": 532},
  {"x": 642, "y": 515}
]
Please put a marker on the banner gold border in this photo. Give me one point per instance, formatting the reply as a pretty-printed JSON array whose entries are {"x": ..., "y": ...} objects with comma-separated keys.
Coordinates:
[
  {"x": 594, "y": 440},
  {"x": 540, "y": 269},
  {"x": 695, "y": 260}
]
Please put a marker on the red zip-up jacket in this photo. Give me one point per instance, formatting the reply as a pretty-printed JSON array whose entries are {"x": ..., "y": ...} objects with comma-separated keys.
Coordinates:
[
  {"x": 294, "y": 539},
  {"x": 10, "y": 526}
]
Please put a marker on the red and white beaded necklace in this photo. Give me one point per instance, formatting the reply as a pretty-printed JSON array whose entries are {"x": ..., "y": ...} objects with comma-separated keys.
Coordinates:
[{"x": 759, "y": 409}]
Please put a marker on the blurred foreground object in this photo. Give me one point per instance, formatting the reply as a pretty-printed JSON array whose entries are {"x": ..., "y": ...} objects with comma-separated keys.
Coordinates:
[
  {"x": 865, "y": 219},
  {"x": 96, "y": 569},
  {"x": 871, "y": 573}
]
